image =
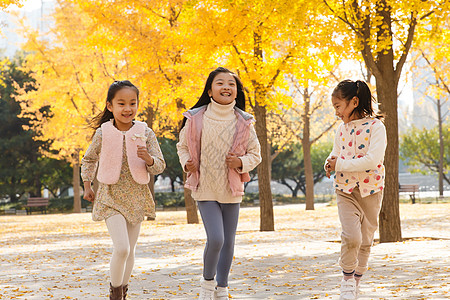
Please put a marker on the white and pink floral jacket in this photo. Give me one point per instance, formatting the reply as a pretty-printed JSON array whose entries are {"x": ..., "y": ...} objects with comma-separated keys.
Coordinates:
[{"x": 359, "y": 146}]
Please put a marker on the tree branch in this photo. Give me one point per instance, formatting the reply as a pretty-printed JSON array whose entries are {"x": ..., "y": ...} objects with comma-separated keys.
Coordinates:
[
  {"x": 323, "y": 132},
  {"x": 436, "y": 72},
  {"x": 409, "y": 40},
  {"x": 278, "y": 72}
]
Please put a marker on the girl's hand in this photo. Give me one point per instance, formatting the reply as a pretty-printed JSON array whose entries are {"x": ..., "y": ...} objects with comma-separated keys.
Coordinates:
[
  {"x": 190, "y": 166},
  {"x": 144, "y": 155},
  {"x": 328, "y": 174},
  {"x": 331, "y": 163},
  {"x": 88, "y": 194},
  {"x": 232, "y": 161}
]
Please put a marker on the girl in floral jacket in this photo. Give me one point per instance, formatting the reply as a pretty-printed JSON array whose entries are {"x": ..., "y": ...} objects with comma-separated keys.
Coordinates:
[{"x": 357, "y": 158}]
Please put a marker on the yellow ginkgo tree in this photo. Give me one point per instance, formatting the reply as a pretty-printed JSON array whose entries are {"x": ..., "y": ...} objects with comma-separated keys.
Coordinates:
[
  {"x": 93, "y": 43},
  {"x": 4, "y": 4},
  {"x": 155, "y": 35},
  {"x": 383, "y": 32},
  {"x": 264, "y": 41},
  {"x": 72, "y": 79}
]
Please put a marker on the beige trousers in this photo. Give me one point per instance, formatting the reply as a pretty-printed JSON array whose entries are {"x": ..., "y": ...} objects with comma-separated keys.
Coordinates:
[{"x": 359, "y": 221}]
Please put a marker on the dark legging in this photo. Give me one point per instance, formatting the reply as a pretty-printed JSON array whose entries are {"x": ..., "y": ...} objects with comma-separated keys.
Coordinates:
[{"x": 220, "y": 221}]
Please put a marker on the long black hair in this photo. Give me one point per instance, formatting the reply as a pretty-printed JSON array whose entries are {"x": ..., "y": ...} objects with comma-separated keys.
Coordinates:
[
  {"x": 205, "y": 99},
  {"x": 106, "y": 115},
  {"x": 347, "y": 89}
]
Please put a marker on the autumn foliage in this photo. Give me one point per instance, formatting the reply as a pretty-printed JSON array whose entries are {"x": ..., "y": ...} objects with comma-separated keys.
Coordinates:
[{"x": 167, "y": 48}]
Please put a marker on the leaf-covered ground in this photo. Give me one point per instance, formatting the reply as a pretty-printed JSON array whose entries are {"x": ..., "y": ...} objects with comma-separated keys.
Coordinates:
[{"x": 67, "y": 256}]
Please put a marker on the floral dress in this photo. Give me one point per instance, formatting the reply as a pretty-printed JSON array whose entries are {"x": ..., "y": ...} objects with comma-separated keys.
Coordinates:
[{"x": 127, "y": 197}]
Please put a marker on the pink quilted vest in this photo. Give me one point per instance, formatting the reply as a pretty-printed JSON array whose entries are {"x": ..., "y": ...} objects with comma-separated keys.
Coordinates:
[
  {"x": 239, "y": 147},
  {"x": 110, "y": 162}
]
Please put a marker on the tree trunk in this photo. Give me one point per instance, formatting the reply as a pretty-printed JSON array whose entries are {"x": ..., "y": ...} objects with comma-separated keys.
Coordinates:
[
  {"x": 37, "y": 185},
  {"x": 263, "y": 169},
  {"x": 172, "y": 185},
  {"x": 387, "y": 77},
  {"x": 306, "y": 147},
  {"x": 309, "y": 177},
  {"x": 149, "y": 114},
  {"x": 191, "y": 206},
  {"x": 390, "y": 228},
  {"x": 12, "y": 190},
  {"x": 76, "y": 182},
  {"x": 265, "y": 193},
  {"x": 441, "y": 150}
]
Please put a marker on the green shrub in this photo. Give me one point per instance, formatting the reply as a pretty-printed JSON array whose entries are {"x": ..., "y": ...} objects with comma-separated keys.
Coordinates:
[
  {"x": 173, "y": 199},
  {"x": 176, "y": 199},
  {"x": 64, "y": 204}
]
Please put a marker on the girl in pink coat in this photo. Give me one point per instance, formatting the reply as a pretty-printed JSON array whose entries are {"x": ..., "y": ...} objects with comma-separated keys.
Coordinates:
[{"x": 217, "y": 148}]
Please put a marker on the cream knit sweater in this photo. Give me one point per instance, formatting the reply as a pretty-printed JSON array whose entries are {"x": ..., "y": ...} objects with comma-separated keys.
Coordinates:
[{"x": 219, "y": 125}]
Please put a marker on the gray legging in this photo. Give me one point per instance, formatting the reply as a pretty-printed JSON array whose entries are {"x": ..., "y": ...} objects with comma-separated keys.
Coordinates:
[{"x": 220, "y": 221}]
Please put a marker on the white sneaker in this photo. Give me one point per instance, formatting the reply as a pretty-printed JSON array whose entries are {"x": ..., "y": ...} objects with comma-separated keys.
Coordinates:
[
  {"x": 207, "y": 290},
  {"x": 348, "y": 289},
  {"x": 221, "y": 293}
]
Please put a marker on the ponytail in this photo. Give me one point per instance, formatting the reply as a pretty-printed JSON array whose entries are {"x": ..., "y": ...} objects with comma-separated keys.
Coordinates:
[
  {"x": 101, "y": 118},
  {"x": 348, "y": 89}
]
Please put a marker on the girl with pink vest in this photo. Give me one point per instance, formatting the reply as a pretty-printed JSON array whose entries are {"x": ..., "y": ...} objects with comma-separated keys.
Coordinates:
[
  {"x": 126, "y": 152},
  {"x": 357, "y": 158},
  {"x": 217, "y": 148}
]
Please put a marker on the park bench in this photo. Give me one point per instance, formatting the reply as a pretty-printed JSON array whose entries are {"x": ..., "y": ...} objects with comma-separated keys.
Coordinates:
[
  {"x": 412, "y": 189},
  {"x": 35, "y": 202}
]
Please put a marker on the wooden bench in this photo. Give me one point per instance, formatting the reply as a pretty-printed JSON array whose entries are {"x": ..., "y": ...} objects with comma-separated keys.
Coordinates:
[
  {"x": 41, "y": 203},
  {"x": 412, "y": 189}
]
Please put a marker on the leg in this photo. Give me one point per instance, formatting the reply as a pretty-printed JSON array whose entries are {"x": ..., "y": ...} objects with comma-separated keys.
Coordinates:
[
  {"x": 370, "y": 206},
  {"x": 230, "y": 214},
  {"x": 350, "y": 217},
  {"x": 212, "y": 220},
  {"x": 117, "y": 228},
  {"x": 133, "y": 234}
]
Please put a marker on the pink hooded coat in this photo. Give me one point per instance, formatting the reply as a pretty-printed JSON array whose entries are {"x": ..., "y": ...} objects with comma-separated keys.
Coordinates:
[{"x": 239, "y": 147}]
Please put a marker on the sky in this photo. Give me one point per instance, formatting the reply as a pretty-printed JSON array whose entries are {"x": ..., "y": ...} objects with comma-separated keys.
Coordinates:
[{"x": 32, "y": 4}]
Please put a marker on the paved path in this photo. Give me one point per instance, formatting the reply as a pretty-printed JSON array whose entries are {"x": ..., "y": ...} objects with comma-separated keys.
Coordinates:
[{"x": 66, "y": 256}]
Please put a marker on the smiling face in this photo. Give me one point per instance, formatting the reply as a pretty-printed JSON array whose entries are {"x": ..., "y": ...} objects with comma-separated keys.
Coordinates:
[
  {"x": 344, "y": 109},
  {"x": 223, "y": 89},
  {"x": 124, "y": 107}
]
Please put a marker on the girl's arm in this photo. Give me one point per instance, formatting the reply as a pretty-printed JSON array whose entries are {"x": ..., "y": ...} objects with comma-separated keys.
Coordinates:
[
  {"x": 253, "y": 156},
  {"x": 90, "y": 159},
  {"x": 375, "y": 153},
  {"x": 182, "y": 147},
  {"x": 154, "y": 150}
]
